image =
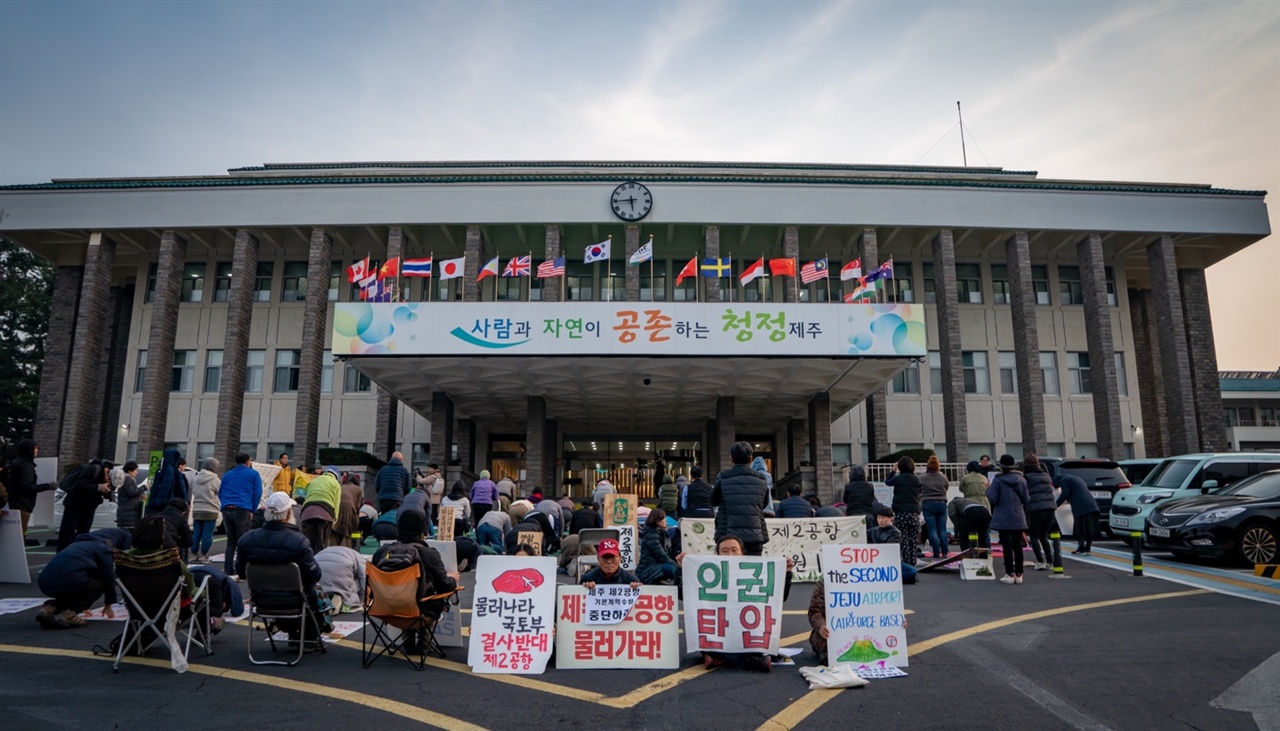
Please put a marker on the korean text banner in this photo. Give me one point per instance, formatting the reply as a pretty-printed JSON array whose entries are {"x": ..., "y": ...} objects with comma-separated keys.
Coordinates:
[
  {"x": 628, "y": 328},
  {"x": 864, "y": 607},
  {"x": 647, "y": 638},
  {"x": 511, "y": 619},
  {"x": 733, "y": 603},
  {"x": 800, "y": 539}
]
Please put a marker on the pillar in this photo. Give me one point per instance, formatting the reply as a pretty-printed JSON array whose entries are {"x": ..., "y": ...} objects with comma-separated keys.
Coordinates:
[
  {"x": 1026, "y": 343},
  {"x": 712, "y": 285},
  {"x": 726, "y": 429},
  {"x": 1102, "y": 349},
  {"x": 471, "y": 265},
  {"x": 235, "y": 349},
  {"x": 551, "y": 287},
  {"x": 632, "y": 270},
  {"x": 466, "y": 433},
  {"x": 954, "y": 413},
  {"x": 51, "y": 405},
  {"x": 535, "y": 445},
  {"x": 1175, "y": 365},
  {"x": 711, "y": 452},
  {"x": 790, "y": 250},
  {"x": 1203, "y": 357},
  {"x": 388, "y": 409},
  {"x": 820, "y": 445},
  {"x": 797, "y": 443},
  {"x": 551, "y": 456},
  {"x": 114, "y": 370},
  {"x": 441, "y": 429},
  {"x": 154, "y": 414},
  {"x": 877, "y": 413},
  {"x": 315, "y": 322},
  {"x": 1146, "y": 348},
  {"x": 83, "y": 380}
]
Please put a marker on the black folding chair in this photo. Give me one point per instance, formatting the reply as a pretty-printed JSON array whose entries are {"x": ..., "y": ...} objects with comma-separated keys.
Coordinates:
[
  {"x": 152, "y": 591},
  {"x": 391, "y": 601},
  {"x": 276, "y": 593}
]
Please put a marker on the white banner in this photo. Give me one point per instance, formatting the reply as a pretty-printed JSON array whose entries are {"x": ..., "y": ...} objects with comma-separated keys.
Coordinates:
[
  {"x": 733, "y": 603},
  {"x": 46, "y": 472},
  {"x": 864, "y": 605},
  {"x": 649, "y": 636},
  {"x": 609, "y": 603},
  {"x": 13, "y": 552},
  {"x": 449, "y": 628},
  {"x": 627, "y": 546},
  {"x": 512, "y": 615},
  {"x": 800, "y": 539}
]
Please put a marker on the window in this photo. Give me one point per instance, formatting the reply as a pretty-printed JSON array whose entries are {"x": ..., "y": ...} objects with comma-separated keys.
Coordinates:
[
  {"x": 841, "y": 454},
  {"x": 1008, "y": 373},
  {"x": 535, "y": 285},
  {"x": 358, "y": 446},
  {"x": 907, "y": 380},
  {"x": 1069, "y": 285},
  {"x": 902, "y": 282},
  {"x": 262, "y": 286},
  {"x": 288, "y": 368},
  {"x": 1246, "y": 416},
  {"x": 1111, "y": 286},
  {"x": 617, "y": 289},
  {"x": 140, "y": 376},
  {"x": 969, "y": 284},
  {"x": 222, "y": 282},
  {"x": 204, "y": 451},
  {"x": 1087, "y": 450},
  {"x": 1014, "y": 448},
  {"x": 1055, "y": 449},
  {"x": 181, "y": 447},
  {"x": 1267, "y": 416},
  {"x": 421, "y": 453},
  {"x": 929, "y": 294},
  {"x": 510, "y": 288},
  {"x": 579, "y": 282},
  {"x": 326, "y": 372},
  {"x": 655, "y": 289},
  {"x": 1122, "y": 381},
  {"x": 275, "y": 449},
  {"x": 254, "y": 362},
  {"x": 1040, "y": 283},
  {"x": 130, "y": 451},
  {"x": 184, "y": 371},
  {"x": 977, "y": 376},
  {"x": 353, "y": 381},
  {"x": 151, "y": 283},
  {"x": 1000, "y": 284},
  {"x": 294, "y": 287},
  {"x": 935, "y": 373},
  {"x": 940, "y": 449},
  {"x": 1049, "y": 372},
  {"x": 335, "y": 280},
  {"x": 1229, "y": 416},
  {"x": 977, "y": 449},
  {"x": 249, "y": 448},
  {"x": 193, "y": 282},
  {"x": 1078, "y": 372},
  {"x": 213, "y": 371}
]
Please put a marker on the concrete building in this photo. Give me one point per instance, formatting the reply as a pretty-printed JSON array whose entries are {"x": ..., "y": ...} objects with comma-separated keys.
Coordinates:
[
  {"x": 1060, "y": 316},
  {"x": 1251, "y": 408}
]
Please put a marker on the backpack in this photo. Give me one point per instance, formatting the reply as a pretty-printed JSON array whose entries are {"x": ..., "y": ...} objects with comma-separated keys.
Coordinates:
[{"x": 401, "y": 556}]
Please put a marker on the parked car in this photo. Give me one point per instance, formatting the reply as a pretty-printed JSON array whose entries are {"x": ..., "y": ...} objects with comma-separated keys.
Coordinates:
[
  {"x": 1102, "y": 477},
  {"x": 1241, "y": 522},
  {"x": 1138, "y": 469},
  {"x": 1186, "y": 476}
]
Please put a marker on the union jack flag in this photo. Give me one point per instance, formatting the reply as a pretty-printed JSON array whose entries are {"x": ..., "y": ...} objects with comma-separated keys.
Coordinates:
[
  {"x": 517, "y": 267},
  {"x": 551, "y": 268}
]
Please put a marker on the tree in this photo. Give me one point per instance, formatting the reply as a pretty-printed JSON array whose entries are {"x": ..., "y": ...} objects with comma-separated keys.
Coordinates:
[{"x": 26, "y": 293}]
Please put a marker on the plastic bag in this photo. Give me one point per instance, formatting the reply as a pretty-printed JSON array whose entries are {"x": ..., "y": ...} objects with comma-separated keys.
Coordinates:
[{"x": 832, "y": 678}]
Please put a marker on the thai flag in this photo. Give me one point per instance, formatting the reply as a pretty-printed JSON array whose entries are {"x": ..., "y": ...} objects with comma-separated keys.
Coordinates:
[
  {"x": 551, "y": 268},
  {"x": 518, "y": 267},
  {"x": 416, "y": 267},
  {"x": 813, "y": 271}
]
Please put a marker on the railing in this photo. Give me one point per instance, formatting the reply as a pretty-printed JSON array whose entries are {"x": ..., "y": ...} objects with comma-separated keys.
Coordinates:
[{"x": 880, "y": 472}]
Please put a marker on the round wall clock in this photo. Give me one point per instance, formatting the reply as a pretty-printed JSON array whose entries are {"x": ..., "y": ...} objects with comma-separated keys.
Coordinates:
[{"x": 631, "y": 201}]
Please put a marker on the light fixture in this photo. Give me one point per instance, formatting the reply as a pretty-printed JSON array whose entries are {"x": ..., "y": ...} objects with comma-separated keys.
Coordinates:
[
  {"x": 1137, "y": 430},
  {"x": 125, "y": 427}
]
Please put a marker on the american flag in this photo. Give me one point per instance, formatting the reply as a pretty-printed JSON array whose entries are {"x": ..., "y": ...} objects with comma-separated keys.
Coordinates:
[
  {"x": 517, "y": 267},
  {"x": 814, "y": 270},
  {"x": 551, "y": 268}
]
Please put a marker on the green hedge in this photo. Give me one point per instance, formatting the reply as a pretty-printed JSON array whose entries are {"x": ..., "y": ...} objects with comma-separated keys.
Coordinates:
[
  {"x": 340, "y": 455},
  {"x": 917, "y": 455}
]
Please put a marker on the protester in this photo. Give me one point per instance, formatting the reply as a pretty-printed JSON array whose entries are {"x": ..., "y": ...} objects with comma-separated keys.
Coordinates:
[
  {"x": 985, "y": 467},
  {"x": 239, "y": 495},
  {"x": 177, "y": 529},
  {"x": 519, "y": 509},
  {"x": 970, "y": 516},
  {"x": 974, "y": 484},
  {"x": 153, "y": 548},
  {"x": 433, "y": 484},
  {"x": 320, "y": 508},
  {"x": 533, "y": 522},
  {"x": 535, "y": 496},
  {"x": 608, "y": 568},
  {"x": 695, "y": 501},
  {"x": 78, "y": 576},
  {"x": 167, "y": 484},
  {"x": 129, "y": 497},
  {"x": 859, "y": 495},
  {"x": 484, "y": 495},
  {"x": 886, "y": 531},
  {"x": 347, "y": 523},
  {"x": 656, "y": 566},
  {"x": 682, "y": 484},
  {"x": 279, "y": 541},
  {"x": 85, "y": 489},
  {"x": 284, "y": 479},
  {"x": 668, "y": 495},
  {"x": 205, "y": 507},
  {"x": 21, "y": 481},
  {"x": 524, "y": 549},
  {"x": 1008, "y": 496},
  {"x": 742, "y": 497},
  {"x": 795, "y": 506},
  {"x": 603, "y": 488},
  {"x": 391, "y": 483},
  {"x": 585, "y": 517},
  {"x": 384, "y": 527},
  {"x": 461, "y": 505},
  {"x": 758, "y": 465},
  {"x": 411, "y": 549},
  {"x": 342, "y": 577},
  {"x": 551, "y": 509},
  {"x": 491, "y": 531},
  {"x": 906, "y": 508},
  {"x": 1084, "y": 508},
  {"x": 1040, "y": 510},
  {"x": 506, "y": 488},
  {"x": 754, "y": 661},
  {"x": 933, "y": 503},
  {"x": 225, "y": 598}
]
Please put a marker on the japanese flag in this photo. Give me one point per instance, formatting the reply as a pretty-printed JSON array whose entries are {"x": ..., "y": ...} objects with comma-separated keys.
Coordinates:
[{"x": 453, "y": 268}]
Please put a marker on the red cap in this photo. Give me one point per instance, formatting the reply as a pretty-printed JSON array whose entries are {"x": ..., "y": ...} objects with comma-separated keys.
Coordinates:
[{"x": 608, "y": 547}]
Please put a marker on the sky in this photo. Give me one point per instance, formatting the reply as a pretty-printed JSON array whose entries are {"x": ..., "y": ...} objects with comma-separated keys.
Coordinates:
[{"x": 1185, "y": 92}]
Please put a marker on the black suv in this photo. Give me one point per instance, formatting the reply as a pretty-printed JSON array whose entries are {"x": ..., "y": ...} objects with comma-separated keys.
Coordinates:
[{"x": 1102, "y": 477}]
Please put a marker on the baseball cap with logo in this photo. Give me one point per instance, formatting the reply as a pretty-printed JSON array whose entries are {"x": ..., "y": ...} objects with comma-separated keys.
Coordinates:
[
  {"x": 278, "y": 502},
  {"x": 608, "y": 547}
]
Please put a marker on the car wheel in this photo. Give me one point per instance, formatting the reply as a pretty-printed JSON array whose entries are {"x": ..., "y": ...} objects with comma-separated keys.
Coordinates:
[{"x": 1257, "y": 544}]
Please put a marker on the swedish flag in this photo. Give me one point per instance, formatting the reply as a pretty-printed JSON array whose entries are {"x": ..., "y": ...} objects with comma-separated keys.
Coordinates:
[{"x": 713, "y": 267}]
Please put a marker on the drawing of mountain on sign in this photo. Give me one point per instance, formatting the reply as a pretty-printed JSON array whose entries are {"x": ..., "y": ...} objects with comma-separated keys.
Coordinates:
[{"x": 862, "y": 651}]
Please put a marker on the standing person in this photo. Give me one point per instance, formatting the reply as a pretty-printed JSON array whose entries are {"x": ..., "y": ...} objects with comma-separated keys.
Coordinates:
[
  {"x": 129, "y": 497},
  {"x": 1040, "y": 510},
  {"x": 603, "y": 488},
  {"x": 985, "y": 467},
  {"x": 205, "y": 507},
  {"x": 695, "y": 501},
  {"x": 320, "y": 510},
  {"x": 682, "y": 484},
  {"x": 1083, "y": 508},
  {"x": 742, "y": 496},
  {"x": 974, "y": 484},
  {"x": 433, "y": 483},
  {"x": 283, "y": 481},
  {"x": 85, "y": 490},
  {"x": 859, "y": 495},
  {"x": 1008, "y": 496},
  {"x": 239, "y": 495},
  {"x": 75, "y": 578},
  {"x": 348, "y": 521},
  {"x": 970, "y": 516},
  {"x": 933, "y": 503},
  {"x": 758, "y": 465},
  {"x": 906, "y": 509},
  {"x": 484, "y": 495},
  {"x": 21, "y": 481},
  {"x": 391, "y": 483},
  {"x": 668, "y": 495},
  {"x": 166, "y": 484}
]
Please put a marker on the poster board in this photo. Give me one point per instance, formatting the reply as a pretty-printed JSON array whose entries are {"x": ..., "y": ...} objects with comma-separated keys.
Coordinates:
[
  {"x": 977, "y": 569},
  {"x": 154, "y": 459},
  {"x": 733, "y": 603},
  {"x": 647, "y": 638},
  {"x": 533, "y": 538},
  {"x": 628, "y": 546},
  {"x": 268, "y": 474},
  {"x": 864, "y": 607},
  {"x": 449, "y": 628},
  {"x": 620, "y": 510},
  {"x": 13, "y": 551},
  {"x": 46, "y": 472},
  {"x": 512, "y": 615},
  {"x": 800, "y": 539},
  {"x": 448, "y": 514}
]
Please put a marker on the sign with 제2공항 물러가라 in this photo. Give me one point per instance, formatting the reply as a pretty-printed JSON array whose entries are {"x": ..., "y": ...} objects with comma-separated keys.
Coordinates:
[{"x": 648, "y": 637}]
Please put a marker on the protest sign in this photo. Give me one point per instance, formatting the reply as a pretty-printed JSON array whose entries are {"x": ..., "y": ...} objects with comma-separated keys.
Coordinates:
[
  {"x": 268, "y": 474},
  {"x": 647, "y": 638},
  {"x": 46, "y": 472},
  {"x": 531, "y": 538},
  {"x": 627, "y": 546},
  {"x": 800, "y": 539},
  {"x": 733, "y": 603},
  {"x": 448, "y": 514},
  {"x": 13, "y": 552},
  {"x": 610, "y": 603},
  {"x": 864, "y": 605},
  {"x": 449, "y": 628},
  {"x": 620, "y": 510},
  {"x": 511, "y": 618},
  {"x": 11, "y": 606}
]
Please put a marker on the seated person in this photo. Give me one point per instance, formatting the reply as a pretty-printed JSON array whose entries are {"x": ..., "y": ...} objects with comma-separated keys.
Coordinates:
[
  {"x": 819, "y": 633},
  {"x": 78, "y": 575},
  {"x": 586, "y": 516},
  {"x": 491, "y": 531},
  {"x": 342, "y": 577},
  {"x": 534, "y": 522},
  {"x": 225, "y": 598},
  {"x": 152, "y": 550},
  {"x": 970, "y": 516},
  {"x": 412, "y": 550},
  {"x": 524, "y": 549},
  {"x": 279, "y": 541},
  {"x": 177, "y": 530},
  {"x": 609, "y": 569},
  {"x": 795, "y": 506},
  {"x": 884, "y": 531},
  {"x": 384, "y": 528},
  {"x": 656, "y": 566}
]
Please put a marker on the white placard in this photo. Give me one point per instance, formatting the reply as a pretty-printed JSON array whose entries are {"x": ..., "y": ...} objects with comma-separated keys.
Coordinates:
[
  {"x": 46, "y": 472},
  {"x": 609, "y": 603},
  {"x": 733, "y": 603},
  {"x": 449, "y": 628},
  {"x": 865, "y": 616},
  {"x": 13, "y": 551},
  {"x": 649, "y": 637},
  {"x": 800, "y": 539},
  {"x": 13, "y": 606},
  {"x": 513, "y": 614},
  {"x": 627, "y": 546},
  {"x": 880, "y": 673}
]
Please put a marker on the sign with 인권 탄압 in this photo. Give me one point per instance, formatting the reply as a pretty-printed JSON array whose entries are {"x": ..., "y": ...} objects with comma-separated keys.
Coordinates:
[
  {"x": 733, "y": 603},
  {"x": 864, "y": 610}
]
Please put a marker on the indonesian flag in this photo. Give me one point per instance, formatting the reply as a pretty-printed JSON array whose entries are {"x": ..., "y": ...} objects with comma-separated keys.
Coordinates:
[
  {"x": 852, "y": 270},
  {"x": 390, "y": 269},
  {"x": 690, "y": 270},
  {"x": 358, "y": 271},
  {"x": 453, "y": 268},
  {"x": 753, "y": 272},
  {"x": 785, "y": 267},
  {"x": 488, "y": 270}
]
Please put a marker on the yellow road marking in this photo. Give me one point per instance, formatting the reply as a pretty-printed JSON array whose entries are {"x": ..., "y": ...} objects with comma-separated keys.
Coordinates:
[
  {"x": 404, "y": 710},
  {"x": 792, "y": 715},
  {"x": 1198, "y": 575}
]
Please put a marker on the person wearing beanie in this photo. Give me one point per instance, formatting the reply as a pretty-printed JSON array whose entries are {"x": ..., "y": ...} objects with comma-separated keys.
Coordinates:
[
  {"x": 411, "y": 549},
  {"x": 1008, "y": 496},
  {"x": 204, "y": 509}
]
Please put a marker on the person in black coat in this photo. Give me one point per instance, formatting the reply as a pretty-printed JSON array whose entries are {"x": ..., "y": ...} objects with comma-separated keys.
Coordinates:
[
  {"x": 177, "y": 531},
  {"x": 279, "y": 541},
  {"x": 741, "y": 496},
  {"x": 696, "y": 500},
  {"x": 79, "y": 575},
  {"x": 534, "y": 521},
  {"x": 906, "y": 508},
  {"x": 585, "y": 516},
  {"x": 434, "y": 579},
  {"x": 859, "y": 495},
  {"x": 85, "y": 489},
  {"x": 21, "y": 481}
]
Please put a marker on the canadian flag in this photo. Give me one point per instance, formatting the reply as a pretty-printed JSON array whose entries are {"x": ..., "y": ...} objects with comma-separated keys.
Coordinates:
[{"x": 358, "y": 271}]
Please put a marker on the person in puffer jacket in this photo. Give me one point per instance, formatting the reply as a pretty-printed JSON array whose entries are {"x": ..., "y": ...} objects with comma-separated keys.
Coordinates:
[
  {"x": 79, "y": 575},
  {"x": 741, "y": 496},
  {"x": 1040, "y": 510}
]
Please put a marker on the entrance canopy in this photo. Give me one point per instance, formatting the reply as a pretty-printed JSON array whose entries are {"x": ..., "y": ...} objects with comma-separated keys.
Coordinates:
[{"x": 628, "y": 367}]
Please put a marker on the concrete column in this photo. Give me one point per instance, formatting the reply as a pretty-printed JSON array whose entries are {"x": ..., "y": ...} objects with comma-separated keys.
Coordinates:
[
  {"x": 472, "y": 253},
  {"x": 711, "y": 452},
  {"x": 315, "y": 321},
  {"x": 535, "y": 445},
  {"x": 551, "y": 455},
  {"x": 154, "y": 416},
  {"x": 1026, "y": 343},
  {"x": 84, "y": 384},
  {"x": 551, "y": 287},
  {"x": 632, "y": 270},
  {"x": 1203, "y": 357},
  {"x": 726, "y": 429},
  {"x": 797, "y": 443},
  {"x": 712, "y": 286},
  {"x": 877, "y": 414},
  {"x": 954, "y": 413},
  {"x": 466, "y": 432},
  {"x": 388, "y": 409},
  {"x": 820, "y": 445},
  {"x": 1147, "y": 357},
  {"x": 441, "y": 428},
  {"x": 1102, "y": 349},
  {"x": 114, "y": 371},
  {"x": 790, "y": 250},
  {"x": 1175, "y": 364},
  {"x": 235, "y": 349},
  {"x": 51, "y": 406}
]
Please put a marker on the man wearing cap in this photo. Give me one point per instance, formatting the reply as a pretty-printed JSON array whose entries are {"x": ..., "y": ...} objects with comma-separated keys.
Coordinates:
[
  {"x": 320, "y": 508},
  {"x": 609, "y": 567},
  {"x": 238, "y": 496},
  {"x": 279, "y": 541}
]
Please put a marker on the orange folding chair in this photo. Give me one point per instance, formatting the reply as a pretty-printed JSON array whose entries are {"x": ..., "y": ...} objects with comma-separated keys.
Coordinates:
[{"x": 391, "y": 601}]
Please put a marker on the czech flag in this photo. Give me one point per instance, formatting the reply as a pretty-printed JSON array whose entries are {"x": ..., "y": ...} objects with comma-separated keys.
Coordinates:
[
  {"x": 753, "y": 272},
  {"x": 488, "y": 270}
]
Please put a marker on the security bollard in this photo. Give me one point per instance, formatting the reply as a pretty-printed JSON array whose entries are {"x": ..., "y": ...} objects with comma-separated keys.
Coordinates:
[
  {"x": 1136, "y": 539},
  {"x": 1056, "y": 537},
  {"x": 973, "y": 544}
]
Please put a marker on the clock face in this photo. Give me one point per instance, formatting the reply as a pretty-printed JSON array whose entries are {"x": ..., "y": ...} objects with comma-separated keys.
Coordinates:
[{"x": 631, "y": 201}]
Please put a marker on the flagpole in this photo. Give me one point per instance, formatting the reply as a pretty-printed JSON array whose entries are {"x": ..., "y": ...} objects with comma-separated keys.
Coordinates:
[
  {"x": 697, "y": 277},
  {"x": 828, "y": 258},
  {"x": 795, "y": 275},
  {"x": 651, "y": 287},
  {"x": 530, "y": 299}
]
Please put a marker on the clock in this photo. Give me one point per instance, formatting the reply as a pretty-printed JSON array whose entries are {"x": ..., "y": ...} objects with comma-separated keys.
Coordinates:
[{"x": 631, "y": 201}]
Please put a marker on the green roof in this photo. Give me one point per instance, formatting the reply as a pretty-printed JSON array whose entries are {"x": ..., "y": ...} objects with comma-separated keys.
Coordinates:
[{"x": 1250, "y": 384}]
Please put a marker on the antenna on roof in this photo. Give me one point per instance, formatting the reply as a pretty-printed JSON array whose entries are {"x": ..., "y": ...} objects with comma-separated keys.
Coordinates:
[{"x": 963, "y": 154}]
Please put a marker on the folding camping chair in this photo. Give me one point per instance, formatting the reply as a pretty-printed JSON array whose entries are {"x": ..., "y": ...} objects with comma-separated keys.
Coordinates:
[
  {"x": 276, "y": 593},
  {"x": 391, "y": 601},
  {"x": 592, "y": 537},
  {"x": 152, "y": 591}
]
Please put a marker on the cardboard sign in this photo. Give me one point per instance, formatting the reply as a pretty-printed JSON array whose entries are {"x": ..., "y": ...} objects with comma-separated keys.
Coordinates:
[
  {"x": 610, "y": 603},
  {"x": 532, "y": 538},
  {"x": 511, "y": 618},
  {"x": 449, "y": 628},
  {"x": 733, "y": 603},
  {"x": 800, "y": 539},
  {"x": 448, "y": 514},
  {"x": 627, "y": 546},
  {"x": 979, "y": 569},
  {"x": 864, "y": 605},
  {"x": 620, "y": 510},
  {"x": 647, "y": 638}
]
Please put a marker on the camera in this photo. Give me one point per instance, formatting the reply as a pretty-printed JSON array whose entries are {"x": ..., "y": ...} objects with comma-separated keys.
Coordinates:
[{"x": 647, "y": 380}]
